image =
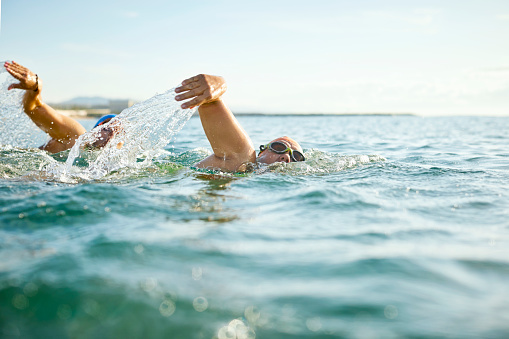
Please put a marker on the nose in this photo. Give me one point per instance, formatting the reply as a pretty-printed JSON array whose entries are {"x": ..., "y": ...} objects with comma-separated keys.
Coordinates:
[{"x": 284, "y": 158}]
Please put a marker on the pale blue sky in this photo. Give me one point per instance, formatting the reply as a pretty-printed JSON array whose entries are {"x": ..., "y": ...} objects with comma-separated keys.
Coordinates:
[{"x": 425, "y": 57}]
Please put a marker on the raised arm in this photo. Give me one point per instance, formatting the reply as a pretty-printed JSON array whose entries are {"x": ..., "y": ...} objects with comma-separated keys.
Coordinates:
[
  {"x": 231, "y": 145},
  {"x": 63, "y": 130}
]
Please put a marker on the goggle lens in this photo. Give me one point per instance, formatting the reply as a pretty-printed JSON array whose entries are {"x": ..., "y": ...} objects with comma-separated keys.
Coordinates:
[
  {"x": 280, "y": 148},
  {"x": 297, "y": 156}
]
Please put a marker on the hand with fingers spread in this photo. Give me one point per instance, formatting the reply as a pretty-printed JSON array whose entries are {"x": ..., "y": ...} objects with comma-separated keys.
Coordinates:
[
  {"x": 27, "y": 79},
  {"x": 201, "y": 89}
]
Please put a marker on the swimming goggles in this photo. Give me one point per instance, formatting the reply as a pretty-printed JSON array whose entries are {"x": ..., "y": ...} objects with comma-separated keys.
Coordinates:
[{"x": 280, "y": 147}]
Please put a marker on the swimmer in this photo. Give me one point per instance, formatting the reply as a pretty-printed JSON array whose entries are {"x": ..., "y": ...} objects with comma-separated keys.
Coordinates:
[
  {"x": 232, "y": 147},
  {"x": 63, "y": 130}
]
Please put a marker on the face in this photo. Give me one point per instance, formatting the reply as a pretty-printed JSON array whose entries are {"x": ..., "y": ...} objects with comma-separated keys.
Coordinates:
[
  {"x": 104, "y": 135},
  {"x": 269, "y": 157}
]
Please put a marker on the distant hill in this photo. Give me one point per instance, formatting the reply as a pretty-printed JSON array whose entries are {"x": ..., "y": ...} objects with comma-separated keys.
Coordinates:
[{"x": 85, "y": 102}]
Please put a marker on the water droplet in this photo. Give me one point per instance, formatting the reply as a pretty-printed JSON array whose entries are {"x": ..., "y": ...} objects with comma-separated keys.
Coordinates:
[
  {"x": 246, "y": 333},
  {"x": 167, "y": 308},
  {"x": 41, "y": 204},
  {"x": 200, "y": 304},
  {"x": 197, "y": 273},
  {"x": 226, "y": 333},
  {"x": 252, "y": 314},
  {"x": 139, "y": 248},
  {"x": 236, "y": 329},
  {"x": 64, "y": 312},
  {"x": 91, "y": 307},
  {"x": 149, "y": 284},
  {"x": 138, "y": 130},
  {"x": 21, "y": 215},
  {"x": 20, "y": 301},
  {"x": 171, "y": 296},
  {"x": 391, "y": 312},
  {"x": 107, "y": 209},
  {"x": 314, "y": 324}
]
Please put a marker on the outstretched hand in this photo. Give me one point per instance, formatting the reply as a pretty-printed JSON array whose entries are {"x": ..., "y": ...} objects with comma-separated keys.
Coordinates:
[
  {"x": 27, "y": 79},
  {"x": 201, "y": 89}
]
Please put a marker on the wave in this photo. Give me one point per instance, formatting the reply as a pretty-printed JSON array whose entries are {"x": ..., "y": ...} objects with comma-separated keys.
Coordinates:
[
  {"x": 112, "y": 164},
  {"x": 320, "y": 162}
]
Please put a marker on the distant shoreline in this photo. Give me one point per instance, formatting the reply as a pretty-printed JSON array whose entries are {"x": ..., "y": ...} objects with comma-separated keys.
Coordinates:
[
  {"x": 82, "y": 114},
  {"x": 94, "y": 107},
  {"x": 329, "y": 114}
]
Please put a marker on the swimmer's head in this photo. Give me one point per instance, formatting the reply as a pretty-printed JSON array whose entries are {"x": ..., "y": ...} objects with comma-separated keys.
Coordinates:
[
  {"x": 103, "y": 134},
  {"x": 283, "y": 149},
  {"x": 104, "y": 119}
]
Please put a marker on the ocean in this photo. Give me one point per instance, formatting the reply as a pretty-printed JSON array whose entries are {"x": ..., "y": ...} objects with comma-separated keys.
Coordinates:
[{"x": 394, "y": 227}]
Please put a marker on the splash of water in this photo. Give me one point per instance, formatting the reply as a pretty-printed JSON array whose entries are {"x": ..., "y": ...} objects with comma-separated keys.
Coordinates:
[
  {"x": 16, "y": 128},
  {"x": 322, "y": 163},
  {"x": 140, "y": 131}
]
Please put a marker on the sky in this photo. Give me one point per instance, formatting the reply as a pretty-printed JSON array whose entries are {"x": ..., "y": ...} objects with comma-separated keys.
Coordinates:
[{"x": 324, "y": 56}]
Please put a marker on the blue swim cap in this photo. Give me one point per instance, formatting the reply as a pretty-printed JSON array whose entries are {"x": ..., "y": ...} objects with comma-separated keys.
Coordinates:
[{"x": 103, "y": 118}]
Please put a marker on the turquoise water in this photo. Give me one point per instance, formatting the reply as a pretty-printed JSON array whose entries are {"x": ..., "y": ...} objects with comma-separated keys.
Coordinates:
[{"x": 396, "y": 227}]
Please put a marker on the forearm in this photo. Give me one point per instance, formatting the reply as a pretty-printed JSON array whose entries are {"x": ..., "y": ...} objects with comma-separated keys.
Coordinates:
[
  {"x": 58, "y": 126},
  {"x": 31, "y": 100},
  {"x": 226, "y": 136}
]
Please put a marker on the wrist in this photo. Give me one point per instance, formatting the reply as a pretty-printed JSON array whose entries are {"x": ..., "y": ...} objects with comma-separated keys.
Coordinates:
[
  {"x": 36, "y": 83},
  {"x": 32, "y": 99},
  {"x": 211, "y": 103}
]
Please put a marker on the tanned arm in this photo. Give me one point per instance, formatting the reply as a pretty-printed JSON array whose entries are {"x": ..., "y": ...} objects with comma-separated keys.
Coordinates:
[
  {"x": 63, "y": 130},
  {"x": 230, "y": 143}
]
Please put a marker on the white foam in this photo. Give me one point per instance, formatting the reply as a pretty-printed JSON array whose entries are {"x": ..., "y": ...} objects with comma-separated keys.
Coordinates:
[{"x": 143, "y": 130}]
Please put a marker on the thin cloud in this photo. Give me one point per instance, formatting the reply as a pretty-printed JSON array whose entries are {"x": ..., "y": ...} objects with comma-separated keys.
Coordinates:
[
  {"x": 503, "y": 16},
  {"x": 418, "y": 17},
  {"x": 495, "y": 69},
  {"x": 88, "y": 49},
  {"x": 130, "y": 14}
]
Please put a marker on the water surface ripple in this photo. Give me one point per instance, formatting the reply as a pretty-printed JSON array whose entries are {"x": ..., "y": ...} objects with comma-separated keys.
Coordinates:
[{"x": 396, "y": 227}]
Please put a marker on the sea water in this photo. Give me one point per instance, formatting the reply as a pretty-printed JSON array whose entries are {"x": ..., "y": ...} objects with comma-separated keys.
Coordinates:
[{"x": 395, "y": 227}]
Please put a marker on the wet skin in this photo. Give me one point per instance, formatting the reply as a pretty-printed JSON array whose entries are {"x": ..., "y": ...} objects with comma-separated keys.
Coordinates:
[{"x": 269, "y": 157}]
